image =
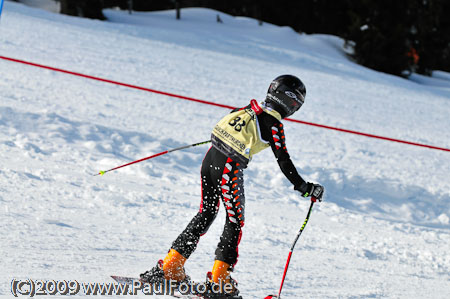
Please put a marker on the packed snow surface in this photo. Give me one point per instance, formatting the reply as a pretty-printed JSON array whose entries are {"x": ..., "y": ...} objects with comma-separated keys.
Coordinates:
[{"x": 383, "y": 230}]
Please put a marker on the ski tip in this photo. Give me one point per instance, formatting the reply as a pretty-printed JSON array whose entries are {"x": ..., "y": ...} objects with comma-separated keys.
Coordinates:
[
  {"x": 270, "y": 297},
  {"x": 124, "y": 279},
  {"x": 120, "y": 278}
]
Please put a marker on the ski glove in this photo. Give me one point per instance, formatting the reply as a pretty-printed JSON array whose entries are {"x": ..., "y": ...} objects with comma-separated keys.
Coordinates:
[{"x": 314, "y": 190}]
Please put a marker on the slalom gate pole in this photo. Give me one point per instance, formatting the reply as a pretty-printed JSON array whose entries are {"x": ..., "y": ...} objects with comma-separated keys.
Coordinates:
[
  {"x": 1, "y": 7},
  {"x": 313, "y": 200},
  {"x": 102, "y": 172}
]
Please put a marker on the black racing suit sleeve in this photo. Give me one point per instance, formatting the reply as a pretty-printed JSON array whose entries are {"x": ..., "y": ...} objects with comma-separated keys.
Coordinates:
[{"x": 273, "y": 132}]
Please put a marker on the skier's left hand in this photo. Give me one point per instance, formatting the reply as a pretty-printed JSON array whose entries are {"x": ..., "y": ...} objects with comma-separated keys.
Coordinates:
[{"x": 314, "y": 190}]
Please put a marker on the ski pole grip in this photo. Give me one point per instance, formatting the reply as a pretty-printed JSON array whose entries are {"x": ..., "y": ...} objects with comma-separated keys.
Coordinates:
[{"x": 313, "y": 199}]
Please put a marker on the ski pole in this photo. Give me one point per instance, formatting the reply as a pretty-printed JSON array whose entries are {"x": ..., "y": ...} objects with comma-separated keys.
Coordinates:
[
  {"x": 313, "y": 200},
  {"x": 102, "y": 172}
]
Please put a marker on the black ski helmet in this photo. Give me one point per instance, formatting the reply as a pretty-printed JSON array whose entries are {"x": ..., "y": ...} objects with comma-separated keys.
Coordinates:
[{"x": 286, "y": 94}]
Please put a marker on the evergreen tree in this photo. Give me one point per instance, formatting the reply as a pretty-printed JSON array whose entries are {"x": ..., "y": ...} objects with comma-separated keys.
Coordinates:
[
  {"x": 390, "y": 36},
  {"x": 380, "y": 32},
  {"x": 83, "y": 8}
]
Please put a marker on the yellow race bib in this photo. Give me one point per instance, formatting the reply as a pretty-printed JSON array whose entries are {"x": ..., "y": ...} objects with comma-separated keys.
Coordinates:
[{"x": 240, "y": 131}]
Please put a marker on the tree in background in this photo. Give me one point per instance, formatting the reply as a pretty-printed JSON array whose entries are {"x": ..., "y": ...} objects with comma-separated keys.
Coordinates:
[
  {"x": 83, "y": 8},
  {"x": 431, "y": 34},
  {"x": 402, "y": 35},
  {"x": 380, "y": 32},
  {"x": 390, "y": 36}
]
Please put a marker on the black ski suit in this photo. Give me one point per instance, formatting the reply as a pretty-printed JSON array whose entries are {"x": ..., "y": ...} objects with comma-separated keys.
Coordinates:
[{"x": 222, "y": 179}]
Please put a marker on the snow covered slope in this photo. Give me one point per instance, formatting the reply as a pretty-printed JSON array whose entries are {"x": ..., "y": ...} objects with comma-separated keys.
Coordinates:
[{"x": 383, "y": 230}]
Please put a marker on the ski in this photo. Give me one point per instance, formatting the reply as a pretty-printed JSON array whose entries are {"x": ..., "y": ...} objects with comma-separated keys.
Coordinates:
[
  {"x": 166, "y": 289},
  {"x": 136, "y": 282},
  {"x": 124, "y": 279}
]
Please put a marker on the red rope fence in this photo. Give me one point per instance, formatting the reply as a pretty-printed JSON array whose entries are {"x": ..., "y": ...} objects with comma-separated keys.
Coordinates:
[{"x": 215, "y": 104}]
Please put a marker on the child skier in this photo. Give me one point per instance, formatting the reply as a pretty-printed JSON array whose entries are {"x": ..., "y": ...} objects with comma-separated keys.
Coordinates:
[{"x": 235, "y": 139}]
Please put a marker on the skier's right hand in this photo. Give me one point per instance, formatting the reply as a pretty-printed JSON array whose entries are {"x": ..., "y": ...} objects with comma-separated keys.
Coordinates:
[{"x": 314, "y": 190}]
